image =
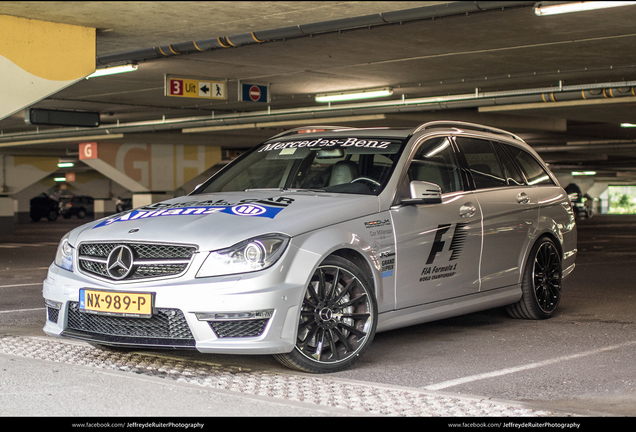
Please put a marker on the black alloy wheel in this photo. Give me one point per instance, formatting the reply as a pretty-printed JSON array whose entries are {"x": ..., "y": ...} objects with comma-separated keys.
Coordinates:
[
  {"x": 542, "y": 283},
  {"x": 338, "y": 319}
]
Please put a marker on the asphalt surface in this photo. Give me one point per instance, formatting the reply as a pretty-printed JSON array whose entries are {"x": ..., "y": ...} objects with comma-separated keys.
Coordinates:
[{"x": 577, "y": 366}]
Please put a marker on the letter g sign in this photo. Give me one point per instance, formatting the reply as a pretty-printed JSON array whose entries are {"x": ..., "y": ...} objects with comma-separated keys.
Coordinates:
[{"x": 88, "y": 150}]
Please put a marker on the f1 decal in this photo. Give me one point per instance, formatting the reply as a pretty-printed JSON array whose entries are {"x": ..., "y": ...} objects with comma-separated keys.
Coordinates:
[
  {"x": 456, "y": 244},
  {"x": 457, "y": 241}
]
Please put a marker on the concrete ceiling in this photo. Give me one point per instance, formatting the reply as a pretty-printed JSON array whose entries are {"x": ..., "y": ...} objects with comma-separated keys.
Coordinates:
[{"x": 496, "y": 47}]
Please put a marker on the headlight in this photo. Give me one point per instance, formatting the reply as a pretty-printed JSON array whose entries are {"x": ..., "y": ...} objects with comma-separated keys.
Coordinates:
[
  {"x": 247, "y": 256},
  {"x": 64, "y": 254}
]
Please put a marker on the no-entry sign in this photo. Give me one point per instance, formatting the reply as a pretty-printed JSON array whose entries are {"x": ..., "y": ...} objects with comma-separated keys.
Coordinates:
[{"x": 253, "y": 93}]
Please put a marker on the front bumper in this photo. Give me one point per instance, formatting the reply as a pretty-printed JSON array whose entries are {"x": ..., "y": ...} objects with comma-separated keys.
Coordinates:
[{"x": 253, "y": 313}]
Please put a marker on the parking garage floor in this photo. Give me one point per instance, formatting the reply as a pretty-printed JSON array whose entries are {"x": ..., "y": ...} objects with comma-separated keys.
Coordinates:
[{"x": 579, "y": 364}]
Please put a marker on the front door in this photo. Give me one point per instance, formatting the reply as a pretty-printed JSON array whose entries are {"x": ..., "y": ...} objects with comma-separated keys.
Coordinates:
[{"x": 438, "y": 246}]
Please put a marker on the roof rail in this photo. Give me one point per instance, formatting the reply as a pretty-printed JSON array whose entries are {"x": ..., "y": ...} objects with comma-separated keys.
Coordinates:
[
  {"x": 308, "y": 129},
  {"x": 465, "y": 125}
]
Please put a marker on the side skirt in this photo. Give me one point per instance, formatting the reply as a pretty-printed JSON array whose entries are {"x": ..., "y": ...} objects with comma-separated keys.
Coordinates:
[{"x": 448, "y": 308}]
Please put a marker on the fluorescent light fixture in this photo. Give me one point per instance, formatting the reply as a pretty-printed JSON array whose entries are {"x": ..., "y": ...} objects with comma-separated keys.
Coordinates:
[
  {"x": 354, "y": 95},
  {"x": 60, "y": 179},
  {"x": 628, "y": 125},
  {"x": 550, "y": 8},
  {"x": 583, "y": 173},
  {"x": 65, "y": 165},
  {"x": 113, "y": 70}
]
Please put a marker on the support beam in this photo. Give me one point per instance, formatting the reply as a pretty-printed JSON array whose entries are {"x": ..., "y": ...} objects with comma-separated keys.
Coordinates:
[{"x": 39, "y": 58}]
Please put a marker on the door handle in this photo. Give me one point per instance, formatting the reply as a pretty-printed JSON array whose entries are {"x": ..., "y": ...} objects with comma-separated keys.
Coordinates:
[
  {"x": 523, "y": 198},
  {"x": 467, "y": 210}
]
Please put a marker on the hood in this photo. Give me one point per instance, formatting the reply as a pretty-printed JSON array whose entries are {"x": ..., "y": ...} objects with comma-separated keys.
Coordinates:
[{"x": 220, "y": 220}]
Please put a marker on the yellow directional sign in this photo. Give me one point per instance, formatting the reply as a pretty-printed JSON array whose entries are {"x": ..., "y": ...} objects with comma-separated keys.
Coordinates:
[{"x": 196, "y": 88}]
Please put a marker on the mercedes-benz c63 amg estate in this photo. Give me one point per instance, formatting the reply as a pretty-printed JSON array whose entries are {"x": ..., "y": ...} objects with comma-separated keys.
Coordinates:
[{"x": 310, "y": 243}]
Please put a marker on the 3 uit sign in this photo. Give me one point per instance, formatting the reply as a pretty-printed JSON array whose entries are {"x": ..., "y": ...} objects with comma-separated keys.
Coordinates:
[{"x": 195, "y": 88}]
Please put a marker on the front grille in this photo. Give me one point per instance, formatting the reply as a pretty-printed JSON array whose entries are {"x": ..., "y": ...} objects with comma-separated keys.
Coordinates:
[
  {"x": 165, "y": 327},
  {"x": 148, "y": 260},
  {"x": 236, "y": 329}
]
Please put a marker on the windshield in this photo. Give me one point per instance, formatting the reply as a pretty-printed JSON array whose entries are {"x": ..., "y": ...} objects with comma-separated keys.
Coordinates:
[{"x": 342, "y": 165}]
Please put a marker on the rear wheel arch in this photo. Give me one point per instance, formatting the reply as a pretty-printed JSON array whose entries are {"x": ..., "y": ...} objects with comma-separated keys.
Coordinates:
[{"x": 541, "y": 282}]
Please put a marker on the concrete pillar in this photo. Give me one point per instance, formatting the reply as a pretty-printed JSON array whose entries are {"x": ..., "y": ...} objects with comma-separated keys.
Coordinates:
[
  {"x": 599, "y": 192},
  {"x": 6, "y": 216},
  {"x": 144, "y": 199}
]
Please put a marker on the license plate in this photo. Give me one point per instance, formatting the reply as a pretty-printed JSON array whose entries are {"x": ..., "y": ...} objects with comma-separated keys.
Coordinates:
[{"x": 116, "y": 303}]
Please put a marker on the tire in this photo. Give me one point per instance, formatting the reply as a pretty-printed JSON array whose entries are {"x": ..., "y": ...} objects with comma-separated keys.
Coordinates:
[
  {"x": 81, "y": 213},
  {"x": 336, "y": 326},
  {"x": 541, "y": 284},
  {"x": 52, "y": 215}
]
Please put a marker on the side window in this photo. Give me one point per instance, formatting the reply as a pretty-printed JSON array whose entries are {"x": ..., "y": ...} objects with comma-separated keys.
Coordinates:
[
  {"x": 534, "y": 172},
  {"x": 435, "y": 162},
  {"x": 482, "y": 162},
  {"x": 513, "y": 176}
]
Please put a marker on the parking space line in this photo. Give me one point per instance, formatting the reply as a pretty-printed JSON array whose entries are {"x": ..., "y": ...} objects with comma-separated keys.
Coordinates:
[
  {"x": 20, "y": 245},
  {"x": 507, "y": 371},
  {"x": 20, "y": 285},
  {"x": 13, "y": 270},
  {"x": 22, "y": 310}
]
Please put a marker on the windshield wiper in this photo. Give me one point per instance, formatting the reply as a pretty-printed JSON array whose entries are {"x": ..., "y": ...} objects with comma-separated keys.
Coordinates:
[{"x": 285, "y": 190}]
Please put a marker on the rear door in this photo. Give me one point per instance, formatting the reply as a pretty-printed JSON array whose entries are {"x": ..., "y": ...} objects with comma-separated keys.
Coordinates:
[{"x": 510, "y": 210}]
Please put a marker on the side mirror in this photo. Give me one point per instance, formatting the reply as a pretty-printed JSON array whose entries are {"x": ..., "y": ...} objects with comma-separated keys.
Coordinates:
[{"x": 424, "y": 193}]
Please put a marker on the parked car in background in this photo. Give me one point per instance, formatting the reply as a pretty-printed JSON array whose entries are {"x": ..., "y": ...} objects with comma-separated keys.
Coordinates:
[
  {"x": 581, "y": 204},
  {"x": 311, "y": 242},
  {"x": 123, "y": 204},
  {"x": 79, "y": 206},
  {"x": 43, "y": 206}
]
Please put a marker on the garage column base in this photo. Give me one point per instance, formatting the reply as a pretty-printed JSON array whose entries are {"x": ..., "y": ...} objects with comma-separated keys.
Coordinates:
[
  {"x": 141, "y": 199},
  {"x": 6, "y": 217}
]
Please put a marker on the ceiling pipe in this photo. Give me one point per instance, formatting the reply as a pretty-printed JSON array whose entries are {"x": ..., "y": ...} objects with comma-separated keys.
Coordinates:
[
  {"x": 386, "y": 18},
  {"x": 315, "y": 113},
  {"x": 472, "y": 100},
  {"x": 593, "y": 148}
]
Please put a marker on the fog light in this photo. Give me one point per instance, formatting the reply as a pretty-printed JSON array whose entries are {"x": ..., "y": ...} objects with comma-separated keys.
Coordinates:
[
  {"x": 53, "y": 304},
  {"x": 235, "y": 316}
]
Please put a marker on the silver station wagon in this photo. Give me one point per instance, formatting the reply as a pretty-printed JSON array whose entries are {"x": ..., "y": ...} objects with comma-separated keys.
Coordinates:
[{"x": 310, "y": 243}]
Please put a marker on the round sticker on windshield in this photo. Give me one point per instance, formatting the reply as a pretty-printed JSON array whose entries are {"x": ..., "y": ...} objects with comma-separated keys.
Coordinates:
[{"x": 248, "y": 210}]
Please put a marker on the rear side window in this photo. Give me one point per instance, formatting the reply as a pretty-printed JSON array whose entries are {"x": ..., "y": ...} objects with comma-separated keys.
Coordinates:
[
  {"x": 482, "y": 162},
  {"x": 513, "y": 176},
  {"x": 532, "y": 169}
]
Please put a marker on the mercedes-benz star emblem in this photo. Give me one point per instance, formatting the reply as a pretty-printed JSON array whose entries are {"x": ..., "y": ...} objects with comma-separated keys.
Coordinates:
[{"x": 120, "y": 262}]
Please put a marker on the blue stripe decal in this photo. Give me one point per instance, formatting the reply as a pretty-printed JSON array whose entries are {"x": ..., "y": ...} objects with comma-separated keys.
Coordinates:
[{"x": 243, "y": 210}]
